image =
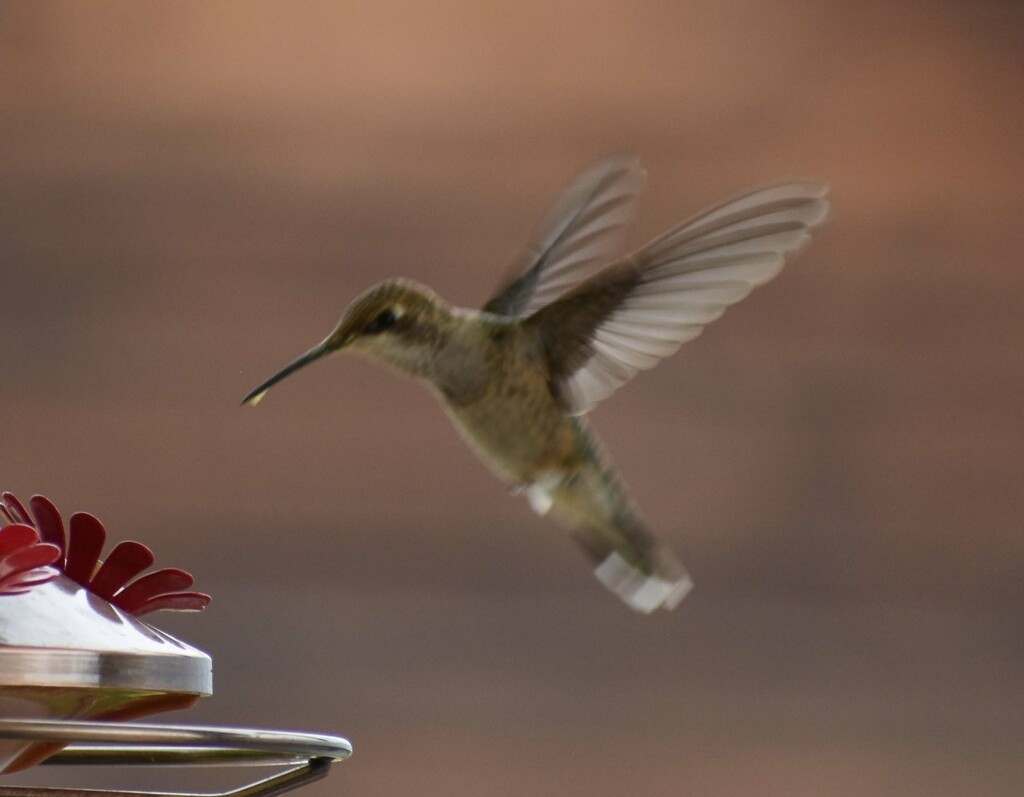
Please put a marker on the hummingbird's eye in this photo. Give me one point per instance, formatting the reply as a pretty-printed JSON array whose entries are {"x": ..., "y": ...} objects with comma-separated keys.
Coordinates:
[{"x": 385, "y": 320}]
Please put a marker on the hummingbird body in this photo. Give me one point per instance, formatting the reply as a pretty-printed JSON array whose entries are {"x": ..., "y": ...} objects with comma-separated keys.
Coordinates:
[
  {"x": 516, "y": 377},
  {"x": 497, "y": 395}
]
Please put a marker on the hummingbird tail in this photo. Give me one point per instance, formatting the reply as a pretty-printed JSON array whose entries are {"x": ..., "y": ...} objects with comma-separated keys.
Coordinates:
[
  {"x": 645, "y": 574},
  {"x": 629, "y": 560}
]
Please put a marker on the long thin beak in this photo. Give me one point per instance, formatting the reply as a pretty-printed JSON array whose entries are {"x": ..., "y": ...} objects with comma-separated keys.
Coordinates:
[{"x": 315, "y": 353}]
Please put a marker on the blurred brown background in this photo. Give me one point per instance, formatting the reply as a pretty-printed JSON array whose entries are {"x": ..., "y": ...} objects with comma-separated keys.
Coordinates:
[{"x": 191, "y": 193}]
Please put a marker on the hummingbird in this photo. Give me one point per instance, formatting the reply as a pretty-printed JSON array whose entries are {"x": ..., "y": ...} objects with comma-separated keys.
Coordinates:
[{"x": 569, "y": 326}]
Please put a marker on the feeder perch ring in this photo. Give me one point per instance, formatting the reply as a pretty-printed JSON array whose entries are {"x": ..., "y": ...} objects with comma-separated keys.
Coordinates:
[{"x": 148, "y": 744}]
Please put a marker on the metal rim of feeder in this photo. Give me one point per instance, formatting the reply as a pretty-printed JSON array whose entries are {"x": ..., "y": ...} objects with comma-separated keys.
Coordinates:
[{"x": 186, "y": 671}]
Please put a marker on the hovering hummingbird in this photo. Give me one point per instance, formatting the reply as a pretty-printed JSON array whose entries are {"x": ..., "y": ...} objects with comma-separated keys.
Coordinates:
[{"x": 517, "y": 377}]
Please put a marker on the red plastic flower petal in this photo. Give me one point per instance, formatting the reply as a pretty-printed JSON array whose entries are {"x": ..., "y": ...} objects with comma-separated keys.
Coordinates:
[
  {"x": 48, "y": 521},
  {"x": 12, "y": 510},
  {"x": 86, "y": 538},
  {"x": 24, "y": 560},
  {"x": 126, "y": 561},
  {"x": 77, "y": 553}
]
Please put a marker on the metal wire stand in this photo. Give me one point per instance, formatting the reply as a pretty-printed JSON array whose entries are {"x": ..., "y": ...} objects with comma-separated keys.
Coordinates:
[{"x": 117, "y": 744}]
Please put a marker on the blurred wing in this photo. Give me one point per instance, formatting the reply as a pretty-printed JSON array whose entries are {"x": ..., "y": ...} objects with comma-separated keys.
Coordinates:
[
  {"x": 577, "y": 236},
  {"x": 626, "y": 318}
]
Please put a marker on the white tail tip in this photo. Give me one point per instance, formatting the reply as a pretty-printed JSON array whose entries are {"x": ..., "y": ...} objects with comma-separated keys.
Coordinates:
[{"x": 642, "y": 592}]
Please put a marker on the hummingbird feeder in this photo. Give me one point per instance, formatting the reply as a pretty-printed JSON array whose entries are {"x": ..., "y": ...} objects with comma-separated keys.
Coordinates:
[{"x": 76, "y": 661}]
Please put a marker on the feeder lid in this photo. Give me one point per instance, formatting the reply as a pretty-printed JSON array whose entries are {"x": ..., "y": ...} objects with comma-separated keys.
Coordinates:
[{"x": 58, "y": 634}]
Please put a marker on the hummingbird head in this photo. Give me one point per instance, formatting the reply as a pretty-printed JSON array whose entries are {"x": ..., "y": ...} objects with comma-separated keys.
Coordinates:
[{"x": 397, "y": 322}]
